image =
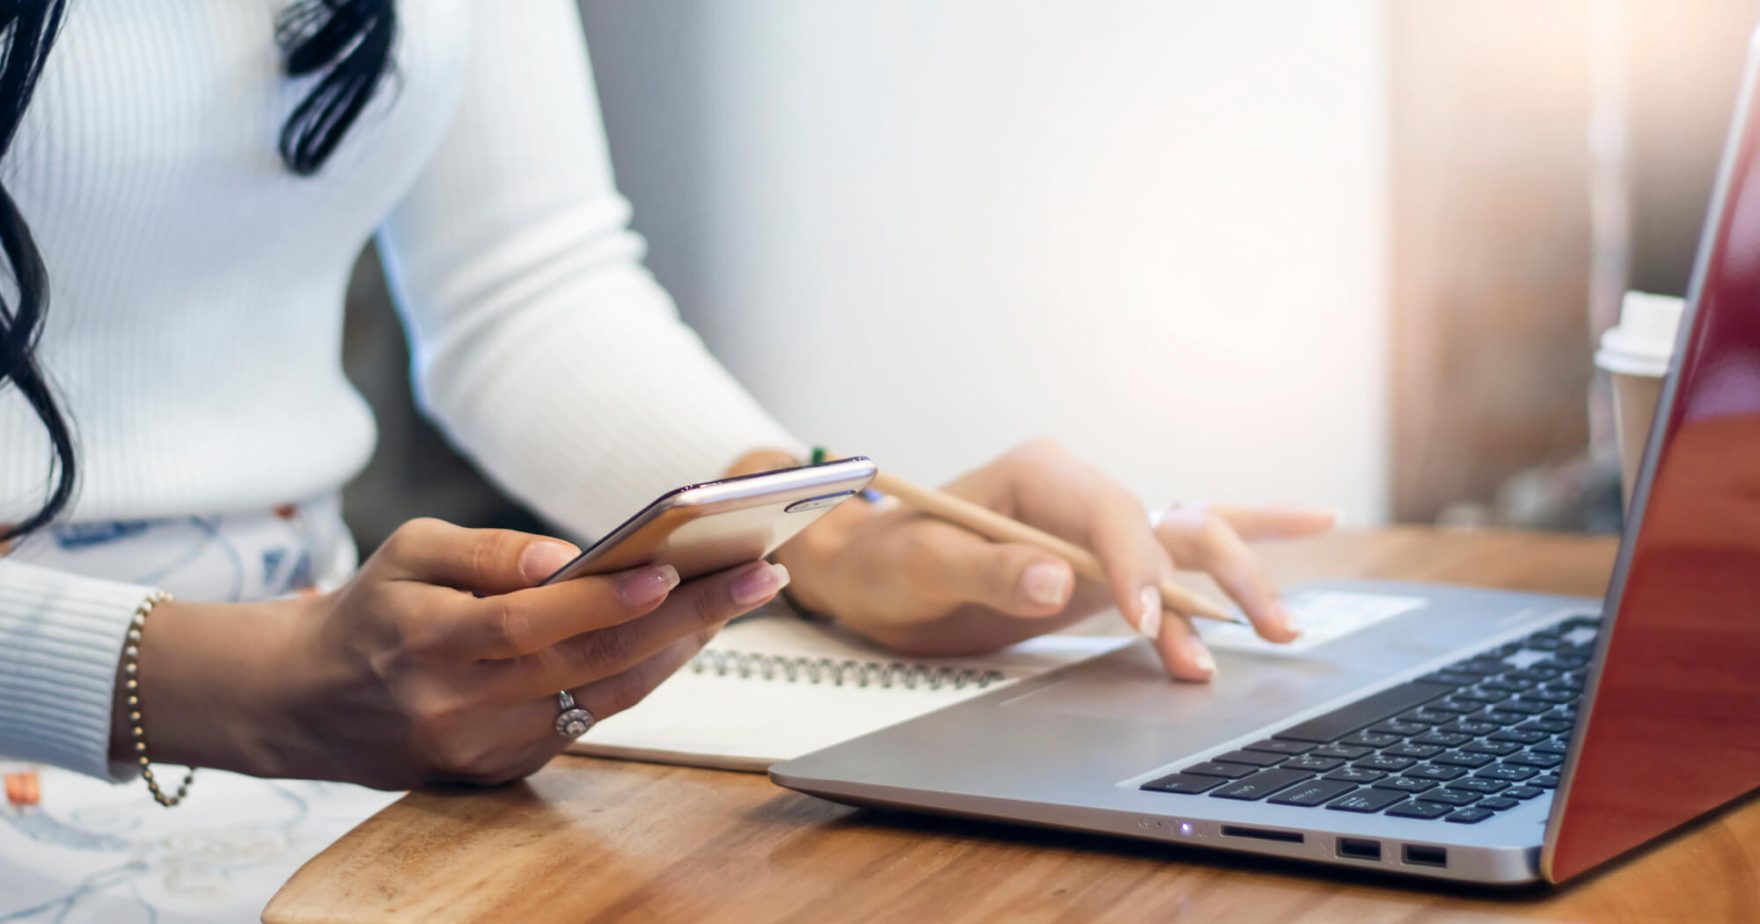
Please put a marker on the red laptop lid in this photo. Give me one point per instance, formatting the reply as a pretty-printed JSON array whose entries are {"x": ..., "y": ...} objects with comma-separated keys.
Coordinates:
[{"x": 1672, "y": 727}]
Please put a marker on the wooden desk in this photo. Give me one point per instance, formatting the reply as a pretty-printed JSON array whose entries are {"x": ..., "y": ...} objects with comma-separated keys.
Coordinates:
[{"x": 600, "y": 840}]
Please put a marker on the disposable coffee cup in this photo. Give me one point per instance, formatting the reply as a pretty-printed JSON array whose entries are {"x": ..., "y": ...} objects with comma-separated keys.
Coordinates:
[{"x": 1635, "y": 354}]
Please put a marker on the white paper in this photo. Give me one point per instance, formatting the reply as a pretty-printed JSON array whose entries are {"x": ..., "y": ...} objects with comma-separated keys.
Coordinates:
[{"x": 1322, "y": 615}]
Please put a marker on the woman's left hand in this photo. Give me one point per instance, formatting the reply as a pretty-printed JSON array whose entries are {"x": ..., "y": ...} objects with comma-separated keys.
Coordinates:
[{"x": 924, "y": 586}]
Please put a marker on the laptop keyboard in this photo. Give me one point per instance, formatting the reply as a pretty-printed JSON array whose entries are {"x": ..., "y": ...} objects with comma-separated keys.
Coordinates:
[{"x": 1476, "y": 738}]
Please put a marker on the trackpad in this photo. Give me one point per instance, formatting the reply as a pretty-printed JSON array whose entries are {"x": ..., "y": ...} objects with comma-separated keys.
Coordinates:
[{"x": 1130, "y": 686}]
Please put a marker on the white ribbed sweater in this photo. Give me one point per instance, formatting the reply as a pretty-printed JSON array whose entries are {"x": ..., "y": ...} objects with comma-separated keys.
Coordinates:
[{"x": 194, "y": 327}]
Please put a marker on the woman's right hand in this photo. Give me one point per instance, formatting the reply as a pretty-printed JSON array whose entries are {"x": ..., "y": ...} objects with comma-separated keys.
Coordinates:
[{"x": 439, "y": 661}]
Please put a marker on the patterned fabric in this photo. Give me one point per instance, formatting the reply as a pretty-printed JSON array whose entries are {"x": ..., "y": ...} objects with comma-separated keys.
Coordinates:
[{"x": 292, "y": 549}]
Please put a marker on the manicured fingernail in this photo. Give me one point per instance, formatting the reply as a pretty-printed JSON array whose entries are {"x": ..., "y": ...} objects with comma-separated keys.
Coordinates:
[
  {"x": 541, "y": 559},
  {"x": 1201, "y": 656},
  {"x": 1287, "y": 621},
  {"x": 758, "y": 584},
  {"x": 1046, "y": 583},
  {"x": 1183, "y": 516},
  {"x": 1149, "y": 613},
  {"x": 647, "y": 586}
]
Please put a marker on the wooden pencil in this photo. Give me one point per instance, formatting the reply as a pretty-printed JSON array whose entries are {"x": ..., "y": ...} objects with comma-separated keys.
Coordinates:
[{"x": 992, "y": 525}]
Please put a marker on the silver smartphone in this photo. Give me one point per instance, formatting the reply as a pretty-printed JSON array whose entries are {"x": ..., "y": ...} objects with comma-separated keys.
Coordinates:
[{"x": 703, "y": 528}]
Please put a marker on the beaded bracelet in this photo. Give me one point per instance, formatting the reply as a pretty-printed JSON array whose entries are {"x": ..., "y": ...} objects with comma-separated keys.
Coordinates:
[{"x": 131, "y": 667}]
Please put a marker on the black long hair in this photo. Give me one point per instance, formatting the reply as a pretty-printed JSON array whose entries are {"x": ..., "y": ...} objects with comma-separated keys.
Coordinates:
[{"x": 349, "y": 40}]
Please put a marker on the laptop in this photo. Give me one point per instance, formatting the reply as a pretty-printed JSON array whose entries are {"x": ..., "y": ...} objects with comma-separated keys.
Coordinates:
[{"x": 1478, "y": 735}]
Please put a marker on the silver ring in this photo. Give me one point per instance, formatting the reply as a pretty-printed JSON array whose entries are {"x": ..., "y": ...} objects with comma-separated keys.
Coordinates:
[{"x": 571, "y": 720}]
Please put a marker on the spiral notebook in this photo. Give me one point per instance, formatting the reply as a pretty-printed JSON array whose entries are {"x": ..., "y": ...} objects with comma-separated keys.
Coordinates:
[{"x": 775, "y": 686}]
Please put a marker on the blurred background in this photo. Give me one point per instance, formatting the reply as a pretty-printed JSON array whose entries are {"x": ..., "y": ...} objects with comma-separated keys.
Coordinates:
[{"x": 1353, "y": 254}]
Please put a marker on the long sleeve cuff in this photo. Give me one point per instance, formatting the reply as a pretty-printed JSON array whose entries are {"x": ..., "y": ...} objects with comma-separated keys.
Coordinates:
[{"x": 61, "y": 636}]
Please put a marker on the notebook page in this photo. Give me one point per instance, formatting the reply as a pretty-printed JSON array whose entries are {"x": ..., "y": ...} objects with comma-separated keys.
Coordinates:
[{"x": 708, "y": 715}]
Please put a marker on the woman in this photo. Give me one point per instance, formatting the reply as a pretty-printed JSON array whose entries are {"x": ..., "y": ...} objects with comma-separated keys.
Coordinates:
[{"x": 191, "y": 181}]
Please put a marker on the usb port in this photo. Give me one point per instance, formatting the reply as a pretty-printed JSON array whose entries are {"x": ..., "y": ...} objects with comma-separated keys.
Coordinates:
[
  {"x": 1351, "y": 848},
  {"x": 1419, "y": 855}
]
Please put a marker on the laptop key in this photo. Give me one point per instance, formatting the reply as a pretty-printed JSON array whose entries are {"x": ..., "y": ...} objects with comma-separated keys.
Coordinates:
[
  {"x": 1538, "y": 761},
  {"x": 1402, "y": 728},
  {"x": 1314, "y": 764},
  {"x": 1409, "y": 749},
  {"x": 1382, "y": 762},
  {"x": 1369, "y": 739},
  {"x": 1468, "y": 727},
  {"x": 1551, "y": 697},
  {"x": 1454, "y": 707},
  {"x": 1518, "y": 736},
  {"x": 1366, "y": 711},
  {"x": 1523, "y": 792},
  {"x": 1346, "y": 751},
  {"x": 1437, "y": 736},
  {"x": 1549, "y": 747},
  {"x": 1498, "y": 803},
  {"x": 1426, "y": 716},
  {"x": 1260, "y": 785},
  {"x": 1494, "y": 748},
  {"x": 1481, "y": 696},
  {"x": 1498, "y": 716},
  {"x": 1506, "y": 773},
  {"x": 1453, "y": 797},
  {"x": 1251, "y": 758},
  {"x": 1274, "y": 746},
  {"x": 1405, "y": 784},
  {"x": 1449, "y": 678},
  {"x": 1466, "y": 759},
  {"x": 1312, "y": 793},
  {"x": 1474, "y": 784},
  {"x": 1226, "y": 771},
  {"x": 1506, "y": 686},
  {"x": 1470, "y": 816},
  {"x": 1354, "y": 775},
  {"x": 1182, "y": 783},
  {"x": 1549, "y": 725},
  {"x": 1420, "y": 810},
  {"x": 1366, "y": 801},
  {"x": 1525, "y": 706},
  {"x": 1545, "y": 781},
  {"x": 1433, "y": 772}
]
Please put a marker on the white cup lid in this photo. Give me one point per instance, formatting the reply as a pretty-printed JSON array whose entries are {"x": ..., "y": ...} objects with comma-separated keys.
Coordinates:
[{"x": 1643, "y": 341}]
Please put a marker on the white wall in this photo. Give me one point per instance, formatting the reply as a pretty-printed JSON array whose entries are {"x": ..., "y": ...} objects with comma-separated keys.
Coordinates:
[{"x": 926, "y": 230}]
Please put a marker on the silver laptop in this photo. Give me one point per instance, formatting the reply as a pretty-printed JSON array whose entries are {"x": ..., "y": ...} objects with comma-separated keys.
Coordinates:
[{"x": 1478, "y": 735}]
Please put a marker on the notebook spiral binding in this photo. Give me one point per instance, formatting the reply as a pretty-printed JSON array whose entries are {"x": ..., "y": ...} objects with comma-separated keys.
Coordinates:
[{"x": 885, "y": 675}]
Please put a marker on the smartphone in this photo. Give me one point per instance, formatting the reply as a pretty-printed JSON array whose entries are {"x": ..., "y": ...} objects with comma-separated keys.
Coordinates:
[{"x": 703, "y": 528}]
